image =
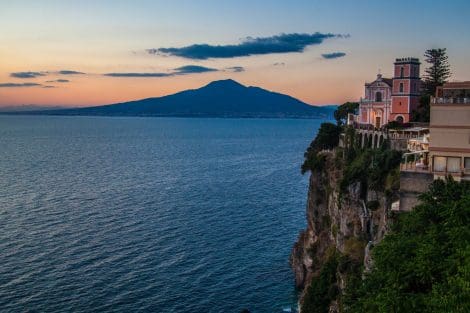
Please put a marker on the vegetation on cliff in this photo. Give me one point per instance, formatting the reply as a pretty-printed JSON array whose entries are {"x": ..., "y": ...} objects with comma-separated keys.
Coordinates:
[
  {"x": 327, "y": 138},
  {"x": 323, "y": 289},
  {"x": 341, "y": 113},
  {"x": 407, "y": 262},
  {"x": 423, "y": 264},
  {"x": 370, "y": 167}
]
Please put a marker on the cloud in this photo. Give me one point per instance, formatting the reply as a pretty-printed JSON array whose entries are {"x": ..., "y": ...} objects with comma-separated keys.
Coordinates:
[
  {"x": 279, "y": 64},
  {"x": 14, "y": 85},
  {"x": 183, "y": 70},
  {"x": 27, "y": 74},
  {"x": 58, "y": 81},
  {"x": 333, "y": 55},
  {"x": 49, "y": 86},
  {"x": 236, "y": 69},
  {"x": 44, "y": 73},
  {"x": 282, "y": 43},
  {"x": 69, "y": 72},
  {"x": 138, "y": 74},
  {"x": 193, "y": 69}
]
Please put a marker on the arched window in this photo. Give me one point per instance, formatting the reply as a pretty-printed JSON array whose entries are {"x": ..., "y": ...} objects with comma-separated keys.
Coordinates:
[
  {"x": 399, "y": 119},
  {"x": 378, "y": 96},
  {"x": 401, "y": 87}
]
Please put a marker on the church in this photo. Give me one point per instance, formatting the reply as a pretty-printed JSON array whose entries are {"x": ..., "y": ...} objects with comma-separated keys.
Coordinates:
[{"x": 392, "y": 99}]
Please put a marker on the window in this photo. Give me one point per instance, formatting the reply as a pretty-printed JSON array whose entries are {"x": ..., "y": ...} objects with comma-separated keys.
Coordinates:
[
  {"x": 378, "y": 96},
  {"x": 399, "y": 119},
  {"x": 439, "y": 164},
  {"x": 402, "y": 72},
  {"x": 453, "y": 165},
  {"x": 401, "y": 87},
  {"x": 467, "y": 164}
]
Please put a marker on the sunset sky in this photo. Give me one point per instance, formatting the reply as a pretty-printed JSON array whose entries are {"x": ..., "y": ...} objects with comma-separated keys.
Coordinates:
[{"x": 80, "y": 53}]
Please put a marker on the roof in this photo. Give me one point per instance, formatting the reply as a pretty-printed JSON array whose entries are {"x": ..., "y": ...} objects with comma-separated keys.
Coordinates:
[
  {"x": 381, "y": 79},
  {"x": 457, "y": 85},
  {"x": 388, "y": 81},
  {"x": 407, "y": 60}
]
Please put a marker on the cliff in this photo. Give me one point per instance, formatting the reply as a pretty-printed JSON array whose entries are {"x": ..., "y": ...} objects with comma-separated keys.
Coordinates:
[{"x": 344, "y": 221}]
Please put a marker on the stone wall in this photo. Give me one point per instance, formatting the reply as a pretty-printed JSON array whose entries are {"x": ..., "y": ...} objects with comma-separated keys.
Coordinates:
[{"x": 412, "y": 184}]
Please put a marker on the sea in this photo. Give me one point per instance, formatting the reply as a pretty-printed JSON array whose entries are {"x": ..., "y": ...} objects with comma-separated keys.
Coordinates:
[{"x": 144, "y": 214}]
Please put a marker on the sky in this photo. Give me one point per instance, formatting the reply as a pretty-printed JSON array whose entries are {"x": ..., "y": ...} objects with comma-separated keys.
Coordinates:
[{"x": 82, "y": 53}]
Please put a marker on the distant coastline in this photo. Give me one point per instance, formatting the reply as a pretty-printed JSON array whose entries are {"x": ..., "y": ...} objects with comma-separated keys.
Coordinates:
[{"x": 218, "y": 99}]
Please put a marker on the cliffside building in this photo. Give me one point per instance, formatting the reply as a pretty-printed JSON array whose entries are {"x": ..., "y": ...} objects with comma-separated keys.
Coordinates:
[
  {"x": 449, "y": 146},
  {"x": 392, "y": 99}
]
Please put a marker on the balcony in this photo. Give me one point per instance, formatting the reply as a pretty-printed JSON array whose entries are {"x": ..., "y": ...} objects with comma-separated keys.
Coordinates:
[
  {"x": 374, "y": 103},
  {"x": 450, "y": 100},
  {"x": 414, "y": 167},
  {"x": 416, "y": 161}
]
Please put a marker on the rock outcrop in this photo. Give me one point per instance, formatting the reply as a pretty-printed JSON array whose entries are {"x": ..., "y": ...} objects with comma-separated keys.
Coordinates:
[{"x": 341, "y": 222}]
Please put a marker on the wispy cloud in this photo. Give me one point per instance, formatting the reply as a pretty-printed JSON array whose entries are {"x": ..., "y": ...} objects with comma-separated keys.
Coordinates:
[
  {"x": 193, "y": 69},
  {"x": 183, "y": 70},
  {"x": 279, "y": 64},
  {"x": 69, "y": 72},
  {"x": 47, "y": 86},
  {"x": 138, "y": 74},
  {"x": 16, "y": 85},
  {"x": 58, "y": 81},
  {"x": 27, "y": 74},
  {"x": 333, "y": 55},
  {"x": 236, "y": 69},
  {"x": 45, "y": 73},
  {"x": 283, "y": 43}
]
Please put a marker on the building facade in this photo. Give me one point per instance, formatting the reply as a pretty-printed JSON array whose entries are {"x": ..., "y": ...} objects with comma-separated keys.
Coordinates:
[
  {"x": 449, "y": 147},
  {"x": 392, "y": 99}
]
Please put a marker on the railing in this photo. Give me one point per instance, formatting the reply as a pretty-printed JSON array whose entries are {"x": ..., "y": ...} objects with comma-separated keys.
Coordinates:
[
  {"x": 413, "y": 167},
  {"x": 367, "y": 101},
  {"x": 450, "y": 100}
]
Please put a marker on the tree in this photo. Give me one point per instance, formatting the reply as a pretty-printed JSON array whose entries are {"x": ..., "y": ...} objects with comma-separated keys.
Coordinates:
[
  {"x": 327, "y": 138},
  {"x": 341, "y": 114},
  {"x": 423, "y": 264},
  {"x": 422, "y": 114},
  {"x": 436, "y": 75},
  {"x": 438, "y": 71}
]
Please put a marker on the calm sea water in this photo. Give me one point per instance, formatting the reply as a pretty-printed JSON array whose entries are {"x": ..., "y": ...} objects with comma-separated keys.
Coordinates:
[{"x": 149, "y": 214}]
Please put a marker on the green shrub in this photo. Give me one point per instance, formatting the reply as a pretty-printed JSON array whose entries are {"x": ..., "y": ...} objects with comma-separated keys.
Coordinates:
[
  {"x": 334, "y": 230},
  {"x": 423, "y": 264},
  {"x": 327, "y": 138},
  {"x": 354, "y": 248},
  {"x": 323, "y": 289}
]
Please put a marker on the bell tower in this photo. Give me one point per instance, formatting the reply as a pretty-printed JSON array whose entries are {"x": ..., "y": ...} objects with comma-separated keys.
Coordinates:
[{"x": 406, "y": 89}]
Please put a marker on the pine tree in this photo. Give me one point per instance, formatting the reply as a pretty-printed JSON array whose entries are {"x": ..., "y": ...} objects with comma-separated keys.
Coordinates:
[{"x": 438, "y": 71}]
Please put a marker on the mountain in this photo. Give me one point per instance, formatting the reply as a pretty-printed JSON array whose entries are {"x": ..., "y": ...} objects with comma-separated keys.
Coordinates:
[
  {"x": 223, "y": 98},
  {"x": 28, "y": 107}
]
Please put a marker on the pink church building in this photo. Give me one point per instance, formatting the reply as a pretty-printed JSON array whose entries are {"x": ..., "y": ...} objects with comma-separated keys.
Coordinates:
[{"x": 392, "y": 99}]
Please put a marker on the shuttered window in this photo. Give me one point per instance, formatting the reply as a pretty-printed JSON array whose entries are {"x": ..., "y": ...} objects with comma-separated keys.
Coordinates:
[
  {"x": 453, "y": 165},
  {"x": 439, "y": 164}
]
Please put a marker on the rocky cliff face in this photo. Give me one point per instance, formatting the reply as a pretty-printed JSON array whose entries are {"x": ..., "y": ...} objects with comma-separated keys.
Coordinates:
[{"x": 346, "y": 223}]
